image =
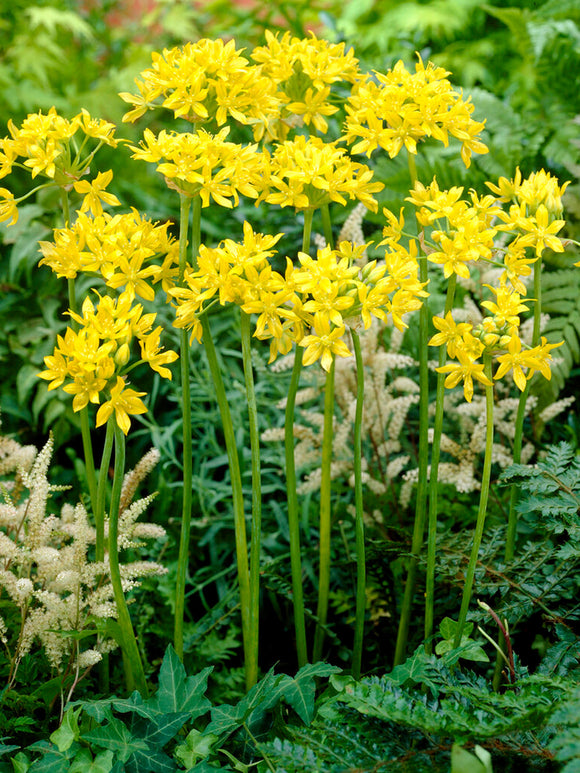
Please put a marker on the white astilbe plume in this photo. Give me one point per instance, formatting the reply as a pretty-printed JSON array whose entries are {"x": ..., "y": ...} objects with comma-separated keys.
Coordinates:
[{"x": 46, "y": 566}]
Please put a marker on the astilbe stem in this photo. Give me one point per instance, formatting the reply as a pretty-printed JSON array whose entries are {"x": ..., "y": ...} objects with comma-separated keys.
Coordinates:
[
  {"x": 325, "y": 516},
  {"x": 134, "y": 672},
  {"x": 481, "y": 513},
  {"x": 421, "y": 503},
  {"x": 434, "y": 480},
  {"x": 256, "y": 529},
  {"x": 183, "y": 559},
  {"x": 291, "y": 485},
  {"x": 359, "y": 522}
]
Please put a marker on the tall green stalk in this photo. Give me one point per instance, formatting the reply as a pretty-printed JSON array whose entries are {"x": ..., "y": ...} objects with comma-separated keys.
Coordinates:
[
  {"x": 433, "y": 480},
  {"x": 484, "y": 495},
  {"x": 134, "y": 673},
  {"x": 359, "y": 522},
  {"x": 520, "y": 416},
  {"x": 293, "y": 518},
  {"x": 421, "y": 503},
  {"x": 325, "y": 516},
  {"x": 237, "y": 499},
  {"x": 84, "y": 413},
  {"x": 101, "y": 503},
  {"x": 256, "y": 529},
  {"x": 183, "y": 560}
]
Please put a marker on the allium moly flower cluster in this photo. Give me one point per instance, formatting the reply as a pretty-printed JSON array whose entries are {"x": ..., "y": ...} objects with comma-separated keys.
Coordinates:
[
  {"x": 205, "y": 164},
  {"x": 206, "y": 81},
  {"x": 320, "y": 294},
  {"x": 399, "y": 109},
  {"x": 307, "y": 173},
  {"x": 49, "y": 146},
  {"x": 462, "y": 232},
  {"x": 53, "y": 587},
  {"x": 305, "y": 71},
  {"x": 92, "y": 359}
]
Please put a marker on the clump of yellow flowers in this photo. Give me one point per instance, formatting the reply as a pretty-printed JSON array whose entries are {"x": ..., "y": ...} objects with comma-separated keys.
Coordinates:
[{"x": 287, "y": 96}]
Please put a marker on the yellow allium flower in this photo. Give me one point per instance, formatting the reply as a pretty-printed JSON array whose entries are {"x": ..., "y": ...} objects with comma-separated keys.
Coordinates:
[
  {"x": 205, "y": 81},
  {"x": 465, "y": 370},
  {"x": 304, "y": 71},
  {"x": 540, "y": 231},
  {"x": 515, "y": 359},
  {"x": 8, "y": 208},
  {"x": 152, "y": 353},
  {"x": 450, "y": 333},
  {"x": 324, "y": 344},
  {"x": 307, "y": 172},
  {"x": 400, "y": 109},
  {"x": 95, "y": 193},
  {"x": 123, "y": 402},
  {"x": 507, "y": 308},
  {"x": 205, "y": 164}
]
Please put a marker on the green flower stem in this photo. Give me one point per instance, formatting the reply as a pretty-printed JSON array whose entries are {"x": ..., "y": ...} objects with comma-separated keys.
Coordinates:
[
  {"x": 183, "y": 559},
  {"x": 256, "y": 530},
  {"x": 421, "y": 503},
  {"x": 361, "y": 600},
  {"x": 84, "y": 413},
  {"x": 327, "y": 225},
  {"x": 325, "y": 516},
  {"x": 520, "y": 416},
  {"x": 102, "y": 493},
  {"x": 134, "y": 673},
  {"x": 293, "y": 518},
  {"x": 434, "y": 482},
  {"x": 238, "y": 501},
  {"x": 480, "y": 523}
]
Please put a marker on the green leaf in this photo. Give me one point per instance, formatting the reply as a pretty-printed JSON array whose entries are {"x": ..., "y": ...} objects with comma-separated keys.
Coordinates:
[
  {"x": 299, "y": 691},
  {"x": 197, "y": 746},
  {"x": 20, "y": 762},
  {"x": 84, "y": 762},
  {"x": 463, "y": 761},
  {"x": 117, "y": 737},
  {"x": 52, "y": 760},
  {"x": 68, "y": 732},
  {"x": 178, "y": 692}
]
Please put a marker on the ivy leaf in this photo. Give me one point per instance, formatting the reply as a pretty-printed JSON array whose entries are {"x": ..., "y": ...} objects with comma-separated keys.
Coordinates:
[
  {"x": 150, "y": 761},
  {"x": 117, "y": 737},
  {"x": 299, "y": 691},
  {"x": 178, "y": 692},
  {"x": 68, "y": 732},
  {"x": 52, "y": 760},
  {"x": 84, "y": 762},
  {"x": 463, "y": 761},
  {"x": 197, "y": 745}
]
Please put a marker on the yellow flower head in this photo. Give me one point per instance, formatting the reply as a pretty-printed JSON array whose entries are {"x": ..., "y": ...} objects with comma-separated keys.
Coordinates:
[
  {"x": 49, "y": 145},
  {"x": 307, "y": 172},
  {"x": 205, "y": 81},
  {"x": 205, "y": 164},
  {"x": 400, "y": 109},
  {"x": 304, "y": 71}
]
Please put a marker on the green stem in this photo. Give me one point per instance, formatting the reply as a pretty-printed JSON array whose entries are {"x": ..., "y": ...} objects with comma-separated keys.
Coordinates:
[
  {"x": 255, "y": 536},
  {"x": 520, "y": 416},
  {"x": 359, "y": 522},
  {"x": 293, "y": 518},
  {"x": 480, "y": 523},
  {"x": 325, "y": 516},
  {"x": 102, "y": 493},
  {"x": 135, "y": 675},
  {"x": 327, "y": 225},
  {"x": 184, "y": 539},
  {"x": 237, "y": 497},
  {"x": 84, "y": 413},
  {"x": 421, "y": 503},
  {"x": 434, "y": 482}
]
